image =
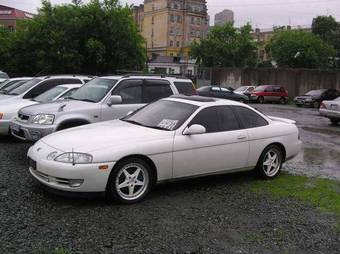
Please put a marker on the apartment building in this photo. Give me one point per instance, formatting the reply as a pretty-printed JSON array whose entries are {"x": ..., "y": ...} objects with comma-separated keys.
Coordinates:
[
  {"x": 170, "y": 26},
  {"x": 223, "y": 17}
]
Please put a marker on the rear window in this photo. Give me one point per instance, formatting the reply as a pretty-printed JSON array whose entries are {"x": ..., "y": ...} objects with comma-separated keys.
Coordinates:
[
  {"x": 248, "y": 118},
  {"x": 185, "y": 88}
]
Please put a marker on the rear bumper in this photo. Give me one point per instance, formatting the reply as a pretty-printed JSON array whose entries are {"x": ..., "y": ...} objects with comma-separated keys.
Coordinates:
[
  {"x": 28, "y": 132},
  {"x": 330, "y": 113},
  {"x": 4, "y": 127}
]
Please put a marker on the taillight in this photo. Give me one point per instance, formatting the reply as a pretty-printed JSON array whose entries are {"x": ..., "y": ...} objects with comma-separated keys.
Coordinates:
[{"x": 322, "y": 105}]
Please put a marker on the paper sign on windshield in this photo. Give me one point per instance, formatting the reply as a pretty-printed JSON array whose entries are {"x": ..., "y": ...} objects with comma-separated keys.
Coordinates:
[{"x": 168, "y": 124}]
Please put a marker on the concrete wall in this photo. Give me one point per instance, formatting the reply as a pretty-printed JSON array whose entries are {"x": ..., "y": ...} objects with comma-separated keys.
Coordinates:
[{"x": 296, "y": 81}]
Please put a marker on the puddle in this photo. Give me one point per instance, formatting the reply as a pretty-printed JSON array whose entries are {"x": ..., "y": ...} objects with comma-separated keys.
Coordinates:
[{"x": 314, "y": 161}]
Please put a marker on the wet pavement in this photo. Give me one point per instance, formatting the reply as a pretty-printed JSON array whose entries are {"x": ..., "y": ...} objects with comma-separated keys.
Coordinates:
[{"x": 320, "y": 155}]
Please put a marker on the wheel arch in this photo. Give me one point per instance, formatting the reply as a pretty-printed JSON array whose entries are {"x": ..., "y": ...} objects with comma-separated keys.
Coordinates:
[
  {"x": 70, "y": 121},
  {"x": 145, "y": 158},
  {"x": 281, "y": 146}
]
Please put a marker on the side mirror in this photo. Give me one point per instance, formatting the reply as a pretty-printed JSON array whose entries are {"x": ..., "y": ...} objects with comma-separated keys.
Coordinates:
[
  {"x": 115, "y": 99},
  {"x": 195, "y": 129}
]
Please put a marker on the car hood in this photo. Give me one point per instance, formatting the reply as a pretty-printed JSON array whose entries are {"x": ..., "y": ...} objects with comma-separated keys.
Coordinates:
[
  {"x": 57, "y": 106},
  {"x": 11, "y": 107},
  {"x": 303, "y": 97},
  {"x": 4, "y": 97},
  {"x": 92, "y": 137}
]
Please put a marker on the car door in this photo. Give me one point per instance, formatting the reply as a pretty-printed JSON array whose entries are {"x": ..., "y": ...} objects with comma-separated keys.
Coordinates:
[
  {"x": 223, "y": 147},
  {"x": 131, "y": 92},
  {"x": 257, "y": 129}
]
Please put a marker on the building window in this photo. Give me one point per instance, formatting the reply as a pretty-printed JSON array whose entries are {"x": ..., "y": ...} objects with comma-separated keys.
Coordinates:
[
  {"x": 179, "y": 19},
  {"x": 198, "y": 21},
  {"x": 171, "y": 43},
  {"x": 172, "y": 18},
  {"x": 178, "y": 44},
  {"x": 152, "y": 20},
  {"x": 192, "y": 20}
]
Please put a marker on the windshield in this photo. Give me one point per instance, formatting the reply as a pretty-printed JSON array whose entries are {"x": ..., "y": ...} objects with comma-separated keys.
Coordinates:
[
  {"x": 11, "y": 85},
  {"x": 94, "y": 90},
  {"x": 24, "y": 87},
  {"x": 50, "y": 95},
  {"x": 3, "y": 75},
  {"x": 241, "y": 89},
  {"x": 260, "y": 89},
  {"x": 162, "y": 114},
  {"x": 315, "y": 92}
]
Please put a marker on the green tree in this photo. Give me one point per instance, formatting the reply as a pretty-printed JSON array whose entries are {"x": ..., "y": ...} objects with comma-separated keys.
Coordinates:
[
  {"x": 328, "y": 29},
  {"x": 299, "y": 49},
  {"x": 95, "y": 38},
  {"x": 226, "y": 46}
]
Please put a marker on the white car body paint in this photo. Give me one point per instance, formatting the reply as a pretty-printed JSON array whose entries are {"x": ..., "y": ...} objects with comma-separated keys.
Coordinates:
[{"x": 175, "y": 155}]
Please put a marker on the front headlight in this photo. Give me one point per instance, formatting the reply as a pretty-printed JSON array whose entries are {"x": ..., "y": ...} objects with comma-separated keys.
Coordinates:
[
  {"x": 75, "y": 158},
  {"x": 45, "y": 119}
]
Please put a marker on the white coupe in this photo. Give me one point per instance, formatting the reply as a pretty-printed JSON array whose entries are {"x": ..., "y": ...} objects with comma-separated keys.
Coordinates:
[{"x": 174, "y": 138}]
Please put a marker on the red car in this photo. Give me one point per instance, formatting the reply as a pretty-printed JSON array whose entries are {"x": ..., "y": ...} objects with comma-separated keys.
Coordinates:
[{"x": 269, "y": 93}]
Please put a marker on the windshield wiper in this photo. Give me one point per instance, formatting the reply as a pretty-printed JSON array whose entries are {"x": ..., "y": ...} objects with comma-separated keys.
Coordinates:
[
  {"x": 133, "y": 122},
  {"x": 147, "y": 126},
  {"x": 87, "y": 100}
]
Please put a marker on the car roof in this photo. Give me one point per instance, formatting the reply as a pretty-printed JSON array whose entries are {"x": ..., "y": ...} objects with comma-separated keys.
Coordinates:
[
  {"x": 66, "y": 76},
  {"x": 203, "y": 101},
  {"x": 21, "y": 78},
  {"x": 69, "y": 86}
]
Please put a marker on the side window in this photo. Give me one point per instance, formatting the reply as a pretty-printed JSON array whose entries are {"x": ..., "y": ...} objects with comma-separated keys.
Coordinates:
[
  {"x": 228, "y": 119},
  {"x": 155, "y": 90},
  {"x": 42, "y": 87},
  {"x": 250, "y": 89},
  {"x": 185, "y": 88},
  {"x": 130, "y": 90},
  {"x": 269, "y": 89},
  {"x": 248, "y": 118},
  {"x": 208, "y": 118},
  {"x": 69, "y": 81},
  {"x": 282, "y": 90},
  {"x": 276, "y": 89}
]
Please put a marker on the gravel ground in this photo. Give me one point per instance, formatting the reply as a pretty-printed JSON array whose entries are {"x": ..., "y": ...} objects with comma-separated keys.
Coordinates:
[{"x": 208, "y": 215}]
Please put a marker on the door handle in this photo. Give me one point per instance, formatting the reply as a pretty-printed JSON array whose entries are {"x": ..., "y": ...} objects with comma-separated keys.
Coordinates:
[{"x": 241, "y": 137}]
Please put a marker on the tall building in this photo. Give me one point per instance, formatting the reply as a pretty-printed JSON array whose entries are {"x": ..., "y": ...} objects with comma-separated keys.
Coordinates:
[
  {"x": 138, "y": 16},
  {"x": 170, "y": 26},
  {"x": 9, "y": 17},
  {"x": 226, "y": 16}
]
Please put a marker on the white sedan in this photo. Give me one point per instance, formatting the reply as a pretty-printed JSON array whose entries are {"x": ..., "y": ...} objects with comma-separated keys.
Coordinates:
[
  {"x": 331, "y": 110},
  {"x": 173, "y": 138}
]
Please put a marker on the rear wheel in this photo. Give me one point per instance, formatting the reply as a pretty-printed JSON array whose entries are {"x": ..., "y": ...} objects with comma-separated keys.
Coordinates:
[
  {"x": 270, "y": 162},
  {"x": 316, "y": 104},
  {"x": 283, "y": 100},
  {"x": 261, "y": 99},
  {"x": 130, "y": 181},
  {"x": 334, "y": 121}
]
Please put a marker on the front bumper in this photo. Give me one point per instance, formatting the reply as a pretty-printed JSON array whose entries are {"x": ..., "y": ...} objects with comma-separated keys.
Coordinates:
[
  {"x": 329, "y": 113},
  {"x": 84, "y": 178},
  {"x": 30, "y": 132},
  {"x": 304, "y": 102},
  {"x": 4, "y": 127}
]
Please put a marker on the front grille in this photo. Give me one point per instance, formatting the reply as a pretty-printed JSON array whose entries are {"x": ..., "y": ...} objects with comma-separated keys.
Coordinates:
[{"x": 23, "y": 117}]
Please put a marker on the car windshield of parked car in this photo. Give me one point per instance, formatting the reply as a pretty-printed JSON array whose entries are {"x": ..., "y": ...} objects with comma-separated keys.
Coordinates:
[
  {"x": 315, "y": 92},
  {"x": 24, "y": 87},
  {"x": 260, "y": 89},
  {"x": 50, "y": 95},
  {"x": 94, "y": 91},
  {"x": 3, "y": 75},
  {"x": 163, "y": 115},
  {"x": 10, "y": 85},
  {"x": 241, "y": 89}
]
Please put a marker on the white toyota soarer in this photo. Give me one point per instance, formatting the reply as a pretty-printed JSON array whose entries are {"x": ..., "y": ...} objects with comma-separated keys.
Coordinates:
[{"x": 173, "y": 138}]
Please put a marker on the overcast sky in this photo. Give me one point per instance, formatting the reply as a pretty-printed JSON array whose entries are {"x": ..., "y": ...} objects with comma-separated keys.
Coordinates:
[{"x": 261, "y": 13}]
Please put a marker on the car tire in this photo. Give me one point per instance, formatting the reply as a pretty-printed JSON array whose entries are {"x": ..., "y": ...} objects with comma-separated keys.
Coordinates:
[
  {"x": 270, "y": 162},
  {"x": 283, "y": 101},
  {"x": 334, "y": 121},
  {"x": 261, "y": 99},
  {"x": 300, "y": 106},
  {"x": 130, "y": 181},
  {"x": 316, "y": 104}
]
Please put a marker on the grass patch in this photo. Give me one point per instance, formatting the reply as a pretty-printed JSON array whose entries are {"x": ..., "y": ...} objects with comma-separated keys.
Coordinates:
[
  {"x": 321, "y": 193},
  {"x": 55, "y": 251}
]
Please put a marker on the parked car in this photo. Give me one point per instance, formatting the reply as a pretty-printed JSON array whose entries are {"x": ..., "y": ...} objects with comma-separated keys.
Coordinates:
[
  {"x": 173, "y": 138},
  {"x": 3, "y": 76},
  {"x": 315, "y": 97},
  {"x": 245, "y": 90},
  {"x": 269, "y": 93},
  {"x": 331, "y": 110},
  {"x": 102, "y": 99},
  {"x": 22, "y": 96},
  {"x": 12, "y": 83},
  {"x": 221, "y": 92}
]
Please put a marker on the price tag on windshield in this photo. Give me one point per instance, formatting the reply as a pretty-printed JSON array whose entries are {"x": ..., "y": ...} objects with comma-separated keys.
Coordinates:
[{"x": 168, "y": 124}]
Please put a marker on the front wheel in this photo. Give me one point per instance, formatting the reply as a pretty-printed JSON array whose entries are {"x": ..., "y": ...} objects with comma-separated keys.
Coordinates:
[
  {"x": 283, "y": 100},
  {"x": 130, "y": 181},
  {"x": 316, "y": 104},
  {"x": 270, "y": 162},
  {"x": 334, "y": 121}
]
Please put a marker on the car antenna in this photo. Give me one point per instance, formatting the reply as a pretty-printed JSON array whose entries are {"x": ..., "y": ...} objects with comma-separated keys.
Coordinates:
[{"x": 73, "y": 163}]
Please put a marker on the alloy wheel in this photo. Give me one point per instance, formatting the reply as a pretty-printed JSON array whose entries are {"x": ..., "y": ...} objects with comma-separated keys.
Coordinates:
[
  {"x": 271, "y": 162},
  {"x": 132, "y": 181}
]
